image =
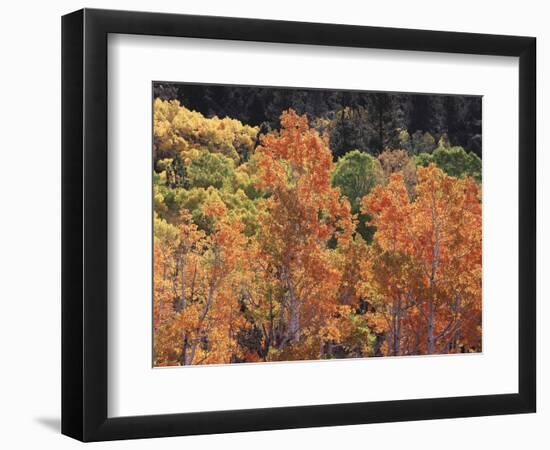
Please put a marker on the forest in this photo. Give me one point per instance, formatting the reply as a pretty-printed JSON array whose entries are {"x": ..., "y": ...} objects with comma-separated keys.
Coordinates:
[{"x": 296, "y": 224}]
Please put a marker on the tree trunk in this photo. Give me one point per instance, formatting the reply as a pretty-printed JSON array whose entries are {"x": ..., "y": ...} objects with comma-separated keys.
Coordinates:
[
  {"x": 431, "y": 306},
  {"x": 183, "y": 299},
  {"x": 183, "y": 349},
  {"x": 397, "y": 333},
  {"x": 294, "y": 320},
  {"x": 430, "y": 328}
]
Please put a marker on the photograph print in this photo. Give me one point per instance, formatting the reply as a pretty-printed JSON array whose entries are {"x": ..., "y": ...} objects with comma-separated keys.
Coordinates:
[{"x": 295, "y": 224}]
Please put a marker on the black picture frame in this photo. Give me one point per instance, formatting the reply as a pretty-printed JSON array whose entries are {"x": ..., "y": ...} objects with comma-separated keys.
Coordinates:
[{"x": 84, "y": 224}]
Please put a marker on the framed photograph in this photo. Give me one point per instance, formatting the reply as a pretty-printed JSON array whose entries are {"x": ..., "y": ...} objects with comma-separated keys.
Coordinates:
[{"x": 274, "y": 225}]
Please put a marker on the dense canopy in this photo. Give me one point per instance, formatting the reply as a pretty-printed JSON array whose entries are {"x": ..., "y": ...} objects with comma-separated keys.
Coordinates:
[{"x": 317, "y": 235}]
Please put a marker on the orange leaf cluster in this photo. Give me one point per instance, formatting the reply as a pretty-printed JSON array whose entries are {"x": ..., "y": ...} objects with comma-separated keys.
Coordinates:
[{"x": 305, "y": 285}]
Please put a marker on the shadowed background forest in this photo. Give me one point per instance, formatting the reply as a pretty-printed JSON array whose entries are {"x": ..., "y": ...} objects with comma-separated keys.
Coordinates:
[
  {"x": 370, "y": 121},
  {"x": 296, "y": 224}
]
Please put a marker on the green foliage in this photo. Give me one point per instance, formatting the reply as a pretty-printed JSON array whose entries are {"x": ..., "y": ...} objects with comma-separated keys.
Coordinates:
[
  {"x": 244, "y": 179},
  {"x": 356, "y": 173},
  {"x": 169, "y": 202},
  {"x": 211, "y": 169},
  {"x": 423, "y": 159},
  {"x": 455, "y": 161},
  {"x": 362, "y": 340}
]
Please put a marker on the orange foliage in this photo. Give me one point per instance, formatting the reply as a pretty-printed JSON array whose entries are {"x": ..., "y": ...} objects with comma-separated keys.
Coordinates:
[
  {"x": 305, "y": 285},
  {"x": 302, "y": 213},
  {"x": 424, "y": 268},
  {"x": 197, "y": 320},
  {"x": 398, "y": 161}
]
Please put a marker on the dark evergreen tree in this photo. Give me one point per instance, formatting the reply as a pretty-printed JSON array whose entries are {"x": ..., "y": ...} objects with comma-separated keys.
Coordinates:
[{"x": 368, "y": 121}]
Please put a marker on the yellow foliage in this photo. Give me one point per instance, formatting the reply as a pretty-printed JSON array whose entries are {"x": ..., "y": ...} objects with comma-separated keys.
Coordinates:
[{"x": 176, "y": 129}]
